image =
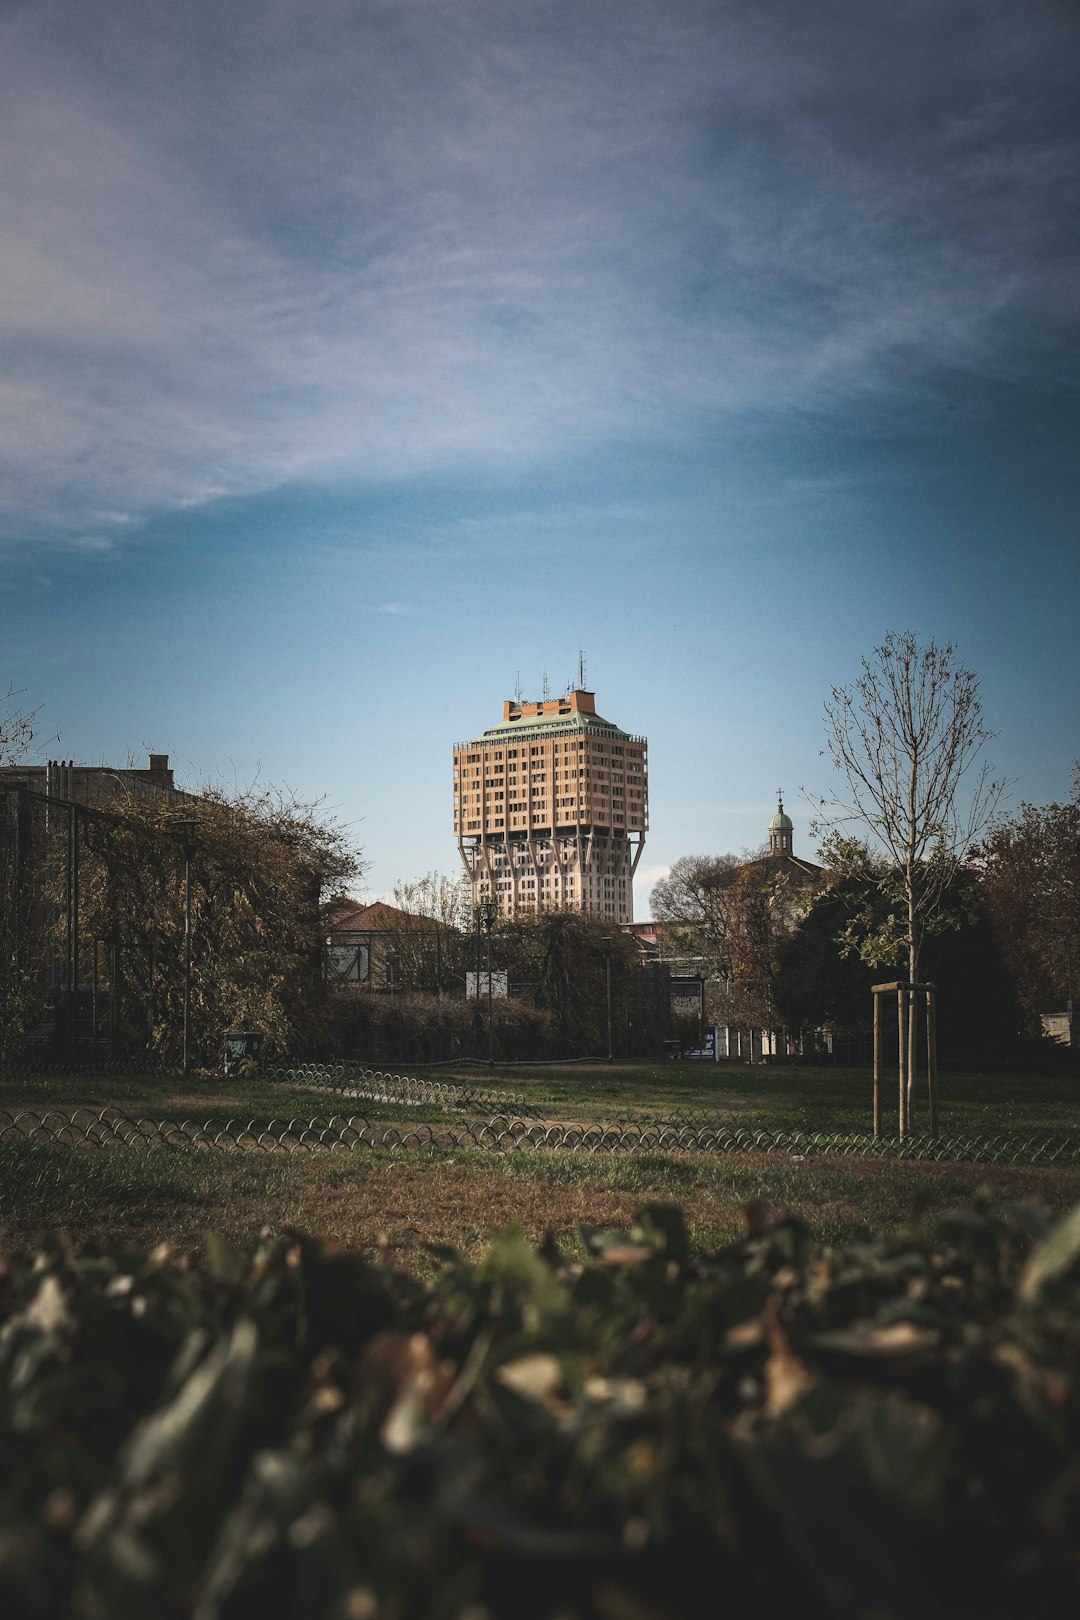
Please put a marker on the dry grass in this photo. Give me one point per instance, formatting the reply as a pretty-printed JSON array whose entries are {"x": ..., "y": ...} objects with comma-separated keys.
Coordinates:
[
  {"x": 410, "y": 1204},
  {"x": 413, "y": 1202}
]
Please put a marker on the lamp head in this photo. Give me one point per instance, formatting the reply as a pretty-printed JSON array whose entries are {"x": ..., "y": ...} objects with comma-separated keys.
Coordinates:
[{"x": 184, "y": 829}]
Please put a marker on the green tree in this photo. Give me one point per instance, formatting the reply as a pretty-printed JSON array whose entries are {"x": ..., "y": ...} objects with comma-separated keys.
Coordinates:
[
  {"x": 1029, "y": 868},
  {"x": 824, "y": 979},
  {"x": 732, "y": 914},
  {"x": 262, "y": 865},
  {"x": 818, "y": 981},
  {"x": 562, "y": 956}
]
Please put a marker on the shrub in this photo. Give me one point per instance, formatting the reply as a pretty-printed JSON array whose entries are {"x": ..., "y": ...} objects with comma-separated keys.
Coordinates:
[{"x": 885, "y": 1431}]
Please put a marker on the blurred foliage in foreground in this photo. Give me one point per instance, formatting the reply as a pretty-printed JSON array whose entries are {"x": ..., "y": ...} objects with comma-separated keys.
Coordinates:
[{"x": 883, "y": 1431}]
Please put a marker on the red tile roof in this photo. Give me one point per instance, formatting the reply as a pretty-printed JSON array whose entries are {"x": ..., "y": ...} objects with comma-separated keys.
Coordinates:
[{"x": 358, "y": 917}]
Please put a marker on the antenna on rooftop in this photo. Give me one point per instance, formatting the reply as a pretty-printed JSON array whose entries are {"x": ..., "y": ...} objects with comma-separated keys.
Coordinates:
[
  {"x": 517, "y": 689},
  {"x": 581, "y": 669},
  {"x": 547, "y": 687}
]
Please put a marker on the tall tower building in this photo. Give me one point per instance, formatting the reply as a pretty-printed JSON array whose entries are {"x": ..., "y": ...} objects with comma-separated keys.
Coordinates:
[{"x": 551, "y": 807}]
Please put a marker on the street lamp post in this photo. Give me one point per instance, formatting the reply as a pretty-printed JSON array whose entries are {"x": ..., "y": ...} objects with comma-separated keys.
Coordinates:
[
  {"x": 489, "y": 923},
  {"x": 391, "y": 958},
  {"x": 607, "y": 969},
  {"x": 1069, "y": 983},
  {"x": 184, "y": 830},
  {"x": 478, "y": 915}
]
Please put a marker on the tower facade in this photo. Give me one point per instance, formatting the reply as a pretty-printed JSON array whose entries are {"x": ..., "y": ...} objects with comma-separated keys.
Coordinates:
[{"x": 551, "y": 808}]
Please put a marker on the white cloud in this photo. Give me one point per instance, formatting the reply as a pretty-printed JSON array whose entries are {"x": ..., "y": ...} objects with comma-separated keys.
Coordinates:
[
  {"x": 260, "y": 243},
  {"x": 647, "y": 875}
]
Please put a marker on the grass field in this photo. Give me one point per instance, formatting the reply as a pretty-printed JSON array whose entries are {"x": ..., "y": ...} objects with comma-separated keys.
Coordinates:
[
  {"x": 797, "y": 1098},
  {"x": 405, "y": 1202}
]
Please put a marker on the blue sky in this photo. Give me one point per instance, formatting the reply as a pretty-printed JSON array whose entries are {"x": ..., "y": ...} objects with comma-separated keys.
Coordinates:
[{"x": 359, "y": 356}]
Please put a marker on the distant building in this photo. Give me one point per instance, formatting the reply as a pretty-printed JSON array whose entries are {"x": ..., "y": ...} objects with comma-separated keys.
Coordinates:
[
  {"x": 793, "y": 884},
  {"x": 360, "y": 940},
  {"x": 551, "y": 807},
  {"x": 91, "y": 784},
  {"x": 797, "y": 882},
  {"x": 377, "y": 946},
  {"x": 790, "y": 885}
]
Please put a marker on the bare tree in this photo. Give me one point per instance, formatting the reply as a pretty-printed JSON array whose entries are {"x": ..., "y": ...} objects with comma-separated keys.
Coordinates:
[
  {"x": 429, "y": 938},
  {"x": 698, "y": 903},
  {"x": 730, "y": 913},
  {"x": 904, "y": 736},
  {"x": 16, "y": 726}
]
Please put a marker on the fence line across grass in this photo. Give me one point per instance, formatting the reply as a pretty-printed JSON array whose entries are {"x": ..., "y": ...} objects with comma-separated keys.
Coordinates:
[{"x": 110, "y": 1128}]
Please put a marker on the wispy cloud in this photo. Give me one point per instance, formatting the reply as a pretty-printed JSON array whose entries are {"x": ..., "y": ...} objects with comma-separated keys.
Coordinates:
[{"x": 270, "y": 242}]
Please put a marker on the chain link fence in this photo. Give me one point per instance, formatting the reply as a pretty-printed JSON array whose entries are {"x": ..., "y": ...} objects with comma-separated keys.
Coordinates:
[
  {"x": 381, "y": 1085},
  {"x": 505, "y": 1133}
]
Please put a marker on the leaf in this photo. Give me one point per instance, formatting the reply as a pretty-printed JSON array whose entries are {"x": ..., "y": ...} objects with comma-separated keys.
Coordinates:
[
  {"x": 536, "y": 1378},
  {"x": 663, "y": 1227},
  {"x": 787, "y": 1377},
  {"x": 890, "y": 1341},
  {"x": 413, "y": 1381},
  {"x": 1052, "y": 1260}
]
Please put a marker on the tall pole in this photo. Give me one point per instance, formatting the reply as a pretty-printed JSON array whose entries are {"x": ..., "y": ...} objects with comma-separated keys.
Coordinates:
[
  {"x": 69, "y": 976},
  {"x": 187, "y": 959},
  {"x": 700, "y": 1010},
  {"x": 185, "y": 831},
  {"x": 114, "y": 989},
  {"x": 607, "y": 964},
  {"x": 94, "y": 1001},
  {"x": 489, "y": 921},
  {"x": 75, "y": 919},
  {"x": 931, "y": 1056},
  {"x": 478, "y": 914}
]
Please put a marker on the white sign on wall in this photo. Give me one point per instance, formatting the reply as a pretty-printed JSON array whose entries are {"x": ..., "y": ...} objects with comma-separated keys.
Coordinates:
[
  {"x": 348, "y": 964},
  {"x": 476, "y": 984}
]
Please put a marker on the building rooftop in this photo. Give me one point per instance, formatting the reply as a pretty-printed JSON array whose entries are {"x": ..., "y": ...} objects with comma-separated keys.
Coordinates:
[
  {"x": 376, "y": 916},
  {"x": 573, "y": 712},
  {"x": 579, "y": 721},
  {"x": 781, "y": 822}
]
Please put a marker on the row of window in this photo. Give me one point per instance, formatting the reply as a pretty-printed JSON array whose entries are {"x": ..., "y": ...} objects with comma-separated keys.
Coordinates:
[{"x": 538, "y": 750}]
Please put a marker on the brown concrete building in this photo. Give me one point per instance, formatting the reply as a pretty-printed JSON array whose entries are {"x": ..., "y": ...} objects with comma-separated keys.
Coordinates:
[
  {"x": 551, "y": 807},
  {"x": 91, "y": 784}
]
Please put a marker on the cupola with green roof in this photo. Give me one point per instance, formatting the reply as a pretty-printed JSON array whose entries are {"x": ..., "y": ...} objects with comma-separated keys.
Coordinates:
[{"x": 781, "y": 829}]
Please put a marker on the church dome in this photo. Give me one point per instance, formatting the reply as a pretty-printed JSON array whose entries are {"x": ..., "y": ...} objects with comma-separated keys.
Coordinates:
[{"x": 780, "y": 822}]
